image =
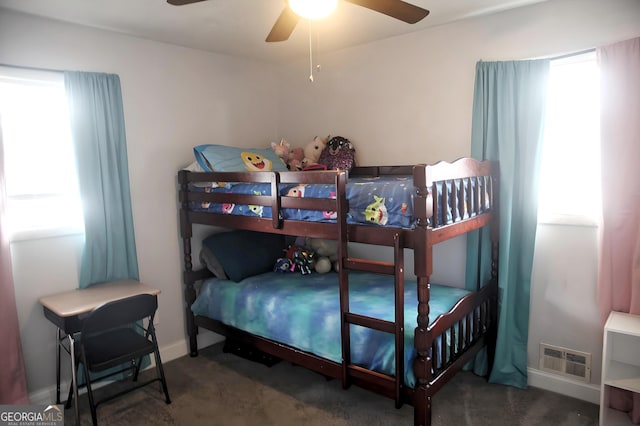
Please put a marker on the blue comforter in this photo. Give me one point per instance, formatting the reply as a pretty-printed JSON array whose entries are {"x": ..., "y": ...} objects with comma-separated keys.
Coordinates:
[{"x": 303, "y": 311}]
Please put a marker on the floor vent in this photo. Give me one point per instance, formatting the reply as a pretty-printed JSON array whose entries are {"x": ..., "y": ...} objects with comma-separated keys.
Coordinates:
[{"x": 566, "y": 362}]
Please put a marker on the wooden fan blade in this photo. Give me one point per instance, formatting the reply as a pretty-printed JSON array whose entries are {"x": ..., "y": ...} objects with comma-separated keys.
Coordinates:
[
  {"x": 395, "y": 8},
  {"x": 182, "y": 2},
  {"x": 284, "y": 26}
]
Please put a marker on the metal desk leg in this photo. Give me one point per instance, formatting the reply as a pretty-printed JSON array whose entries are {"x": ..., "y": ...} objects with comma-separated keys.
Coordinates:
[
  {"x": 74, "y": 378},
  {"x": 58, "y": 343}
]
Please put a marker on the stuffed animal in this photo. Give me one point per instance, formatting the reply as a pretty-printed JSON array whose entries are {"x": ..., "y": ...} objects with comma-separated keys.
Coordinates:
[
  {"x": 312, "y": 151},
  {"x": 283, "y": 265},
  {"x": 307, "y": 255},
  {"x": 339, "y": 154},
  {"x": 296, "y": 155},
  {"x": 281, "y": 150},
  {"x": 303, "y": 260},
  {"x": 323, "y": 265},
  {"x": 296, "y": 259},
  {"x": 326, "y": 252}
]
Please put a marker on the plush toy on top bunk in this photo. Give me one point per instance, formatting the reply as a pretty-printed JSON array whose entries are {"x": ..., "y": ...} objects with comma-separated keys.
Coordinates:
[
  {"x": 282, "y": 150},
  {"x": 330, "y": 153},
  {"x": 312, "y": 152},
  {"x": 294, "y": 163},
  {"x": 338, "y": 154}
]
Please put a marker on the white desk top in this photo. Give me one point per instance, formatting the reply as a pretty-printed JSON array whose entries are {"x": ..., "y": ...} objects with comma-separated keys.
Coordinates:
[{"x": 79, "y": 301}]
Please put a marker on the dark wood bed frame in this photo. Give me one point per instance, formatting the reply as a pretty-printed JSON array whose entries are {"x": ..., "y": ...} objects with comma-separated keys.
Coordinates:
[{"x": 471, "y": 323}]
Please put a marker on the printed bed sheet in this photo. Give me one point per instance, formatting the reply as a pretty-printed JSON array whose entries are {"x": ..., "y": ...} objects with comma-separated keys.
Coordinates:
[{"x": 381, "y": 201}]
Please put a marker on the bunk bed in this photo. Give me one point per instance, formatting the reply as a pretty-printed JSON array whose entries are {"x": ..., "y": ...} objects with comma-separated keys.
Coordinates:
[{"x": 446, "y": 200}]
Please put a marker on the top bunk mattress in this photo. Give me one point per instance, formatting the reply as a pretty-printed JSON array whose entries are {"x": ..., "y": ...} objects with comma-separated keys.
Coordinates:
[
  {"x": 373, "y": 200},
  {"x": 380, "y": 200}
]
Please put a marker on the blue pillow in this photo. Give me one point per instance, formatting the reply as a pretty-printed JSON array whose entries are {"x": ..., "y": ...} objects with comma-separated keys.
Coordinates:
[
  {"x": 221, "y": 158},
  {"x": 242, "y": 254}
]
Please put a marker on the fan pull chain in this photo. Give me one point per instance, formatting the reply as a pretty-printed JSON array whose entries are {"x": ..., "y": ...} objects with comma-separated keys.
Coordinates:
[{"x": 310, "y": 54}]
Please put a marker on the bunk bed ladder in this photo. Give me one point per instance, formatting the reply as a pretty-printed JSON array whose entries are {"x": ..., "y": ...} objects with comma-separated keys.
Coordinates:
[{"x": 395, "y": 327}]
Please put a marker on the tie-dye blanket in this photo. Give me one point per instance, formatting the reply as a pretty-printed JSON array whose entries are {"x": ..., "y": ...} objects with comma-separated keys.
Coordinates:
[{"x": 304, "y": 312}]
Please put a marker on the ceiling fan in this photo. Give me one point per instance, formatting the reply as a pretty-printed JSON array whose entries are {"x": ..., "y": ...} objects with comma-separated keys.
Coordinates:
[{"x": 286, "y": 22}]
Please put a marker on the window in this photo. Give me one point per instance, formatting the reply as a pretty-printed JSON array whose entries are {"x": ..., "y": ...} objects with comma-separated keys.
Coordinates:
[
  {"x": 570, "y": 172},
  {"x": 42, "y": 190}
]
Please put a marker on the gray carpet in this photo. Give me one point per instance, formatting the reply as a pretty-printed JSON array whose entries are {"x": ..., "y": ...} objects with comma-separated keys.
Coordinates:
[{"x": 216, "y": 388}]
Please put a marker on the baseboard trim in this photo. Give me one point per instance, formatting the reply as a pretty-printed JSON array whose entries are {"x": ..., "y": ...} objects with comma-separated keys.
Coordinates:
[
  {"x": 167, "y": 353},
  {"x": 537, "y": 378},
  {"x": 562, "y": 385},
  {"x": 181, "y": 348}
]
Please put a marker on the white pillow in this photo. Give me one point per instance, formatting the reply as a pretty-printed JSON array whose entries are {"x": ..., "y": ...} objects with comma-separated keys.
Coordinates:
[{"x": 195, "y": 167}]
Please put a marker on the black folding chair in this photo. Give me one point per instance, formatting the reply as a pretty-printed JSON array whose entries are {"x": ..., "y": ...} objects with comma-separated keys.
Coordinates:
[{"x": 109, "y": 339}]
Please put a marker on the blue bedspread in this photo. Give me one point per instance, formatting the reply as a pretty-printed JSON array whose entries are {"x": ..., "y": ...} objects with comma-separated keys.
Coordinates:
[{"x": 304, "y": 312}]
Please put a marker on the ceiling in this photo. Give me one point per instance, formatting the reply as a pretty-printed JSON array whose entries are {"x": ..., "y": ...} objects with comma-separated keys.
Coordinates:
[{"x": 239, "y": 27}]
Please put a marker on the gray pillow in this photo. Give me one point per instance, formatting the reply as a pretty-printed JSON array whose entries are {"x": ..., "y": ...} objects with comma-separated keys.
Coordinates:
[{"x": 208, "y": 259}]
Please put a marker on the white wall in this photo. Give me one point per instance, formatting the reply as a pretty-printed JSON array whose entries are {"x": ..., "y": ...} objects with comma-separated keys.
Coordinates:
[
  {"x": 563, "y": 297},
  {"x": 409, "y": 99},
  {"x": 174, "y": 98}
]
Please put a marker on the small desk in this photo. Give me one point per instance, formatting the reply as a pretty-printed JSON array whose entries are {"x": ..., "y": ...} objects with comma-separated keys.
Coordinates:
[{"x": 67, "y": 309}]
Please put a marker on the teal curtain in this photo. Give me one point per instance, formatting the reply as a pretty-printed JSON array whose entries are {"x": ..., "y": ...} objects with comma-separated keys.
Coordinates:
[
  {"x": 98, "y": 133},
  {"x": 100, "y": 146},
  {"x": 508, "y": 121}
]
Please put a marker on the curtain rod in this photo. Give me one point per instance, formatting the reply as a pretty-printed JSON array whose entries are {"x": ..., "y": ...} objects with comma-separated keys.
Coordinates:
[
  {"x": 32, "y": 68},
  {"x": 569, "y": 55}
]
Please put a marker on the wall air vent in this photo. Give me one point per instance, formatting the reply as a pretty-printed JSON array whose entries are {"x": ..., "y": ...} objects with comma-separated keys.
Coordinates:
[{"x": 566, "y": 362}]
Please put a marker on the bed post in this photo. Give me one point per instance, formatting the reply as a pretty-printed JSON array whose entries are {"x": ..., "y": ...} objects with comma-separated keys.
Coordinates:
[
  {"x": 343, "y": 275},
  {"x": 423, "y": 265},
  {"x": 186, "y": 232},
  {"x": 422, "y": 365}
]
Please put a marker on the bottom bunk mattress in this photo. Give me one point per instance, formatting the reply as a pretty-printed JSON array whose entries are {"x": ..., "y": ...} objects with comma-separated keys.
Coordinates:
[{"x": 303, "y": 311}]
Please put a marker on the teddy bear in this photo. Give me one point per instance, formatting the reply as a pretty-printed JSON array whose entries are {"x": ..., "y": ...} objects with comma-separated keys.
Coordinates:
[
  {"x": 313, "y": 150},
  {"x": 326, "y": 252},
  {"x": 281, "y": 150}
]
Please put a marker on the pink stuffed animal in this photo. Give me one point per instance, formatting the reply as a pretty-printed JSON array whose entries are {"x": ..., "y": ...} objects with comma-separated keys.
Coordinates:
[{"x": 295, "y": 159}]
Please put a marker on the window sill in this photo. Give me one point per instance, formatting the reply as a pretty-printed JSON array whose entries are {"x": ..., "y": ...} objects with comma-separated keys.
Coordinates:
[
  {"x": 39, "y": 234},
  {"x": 567, "y": 220}
]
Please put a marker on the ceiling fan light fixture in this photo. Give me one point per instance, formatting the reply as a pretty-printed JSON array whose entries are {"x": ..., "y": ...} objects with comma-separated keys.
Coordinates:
[{"x": 313, "y": 9}]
